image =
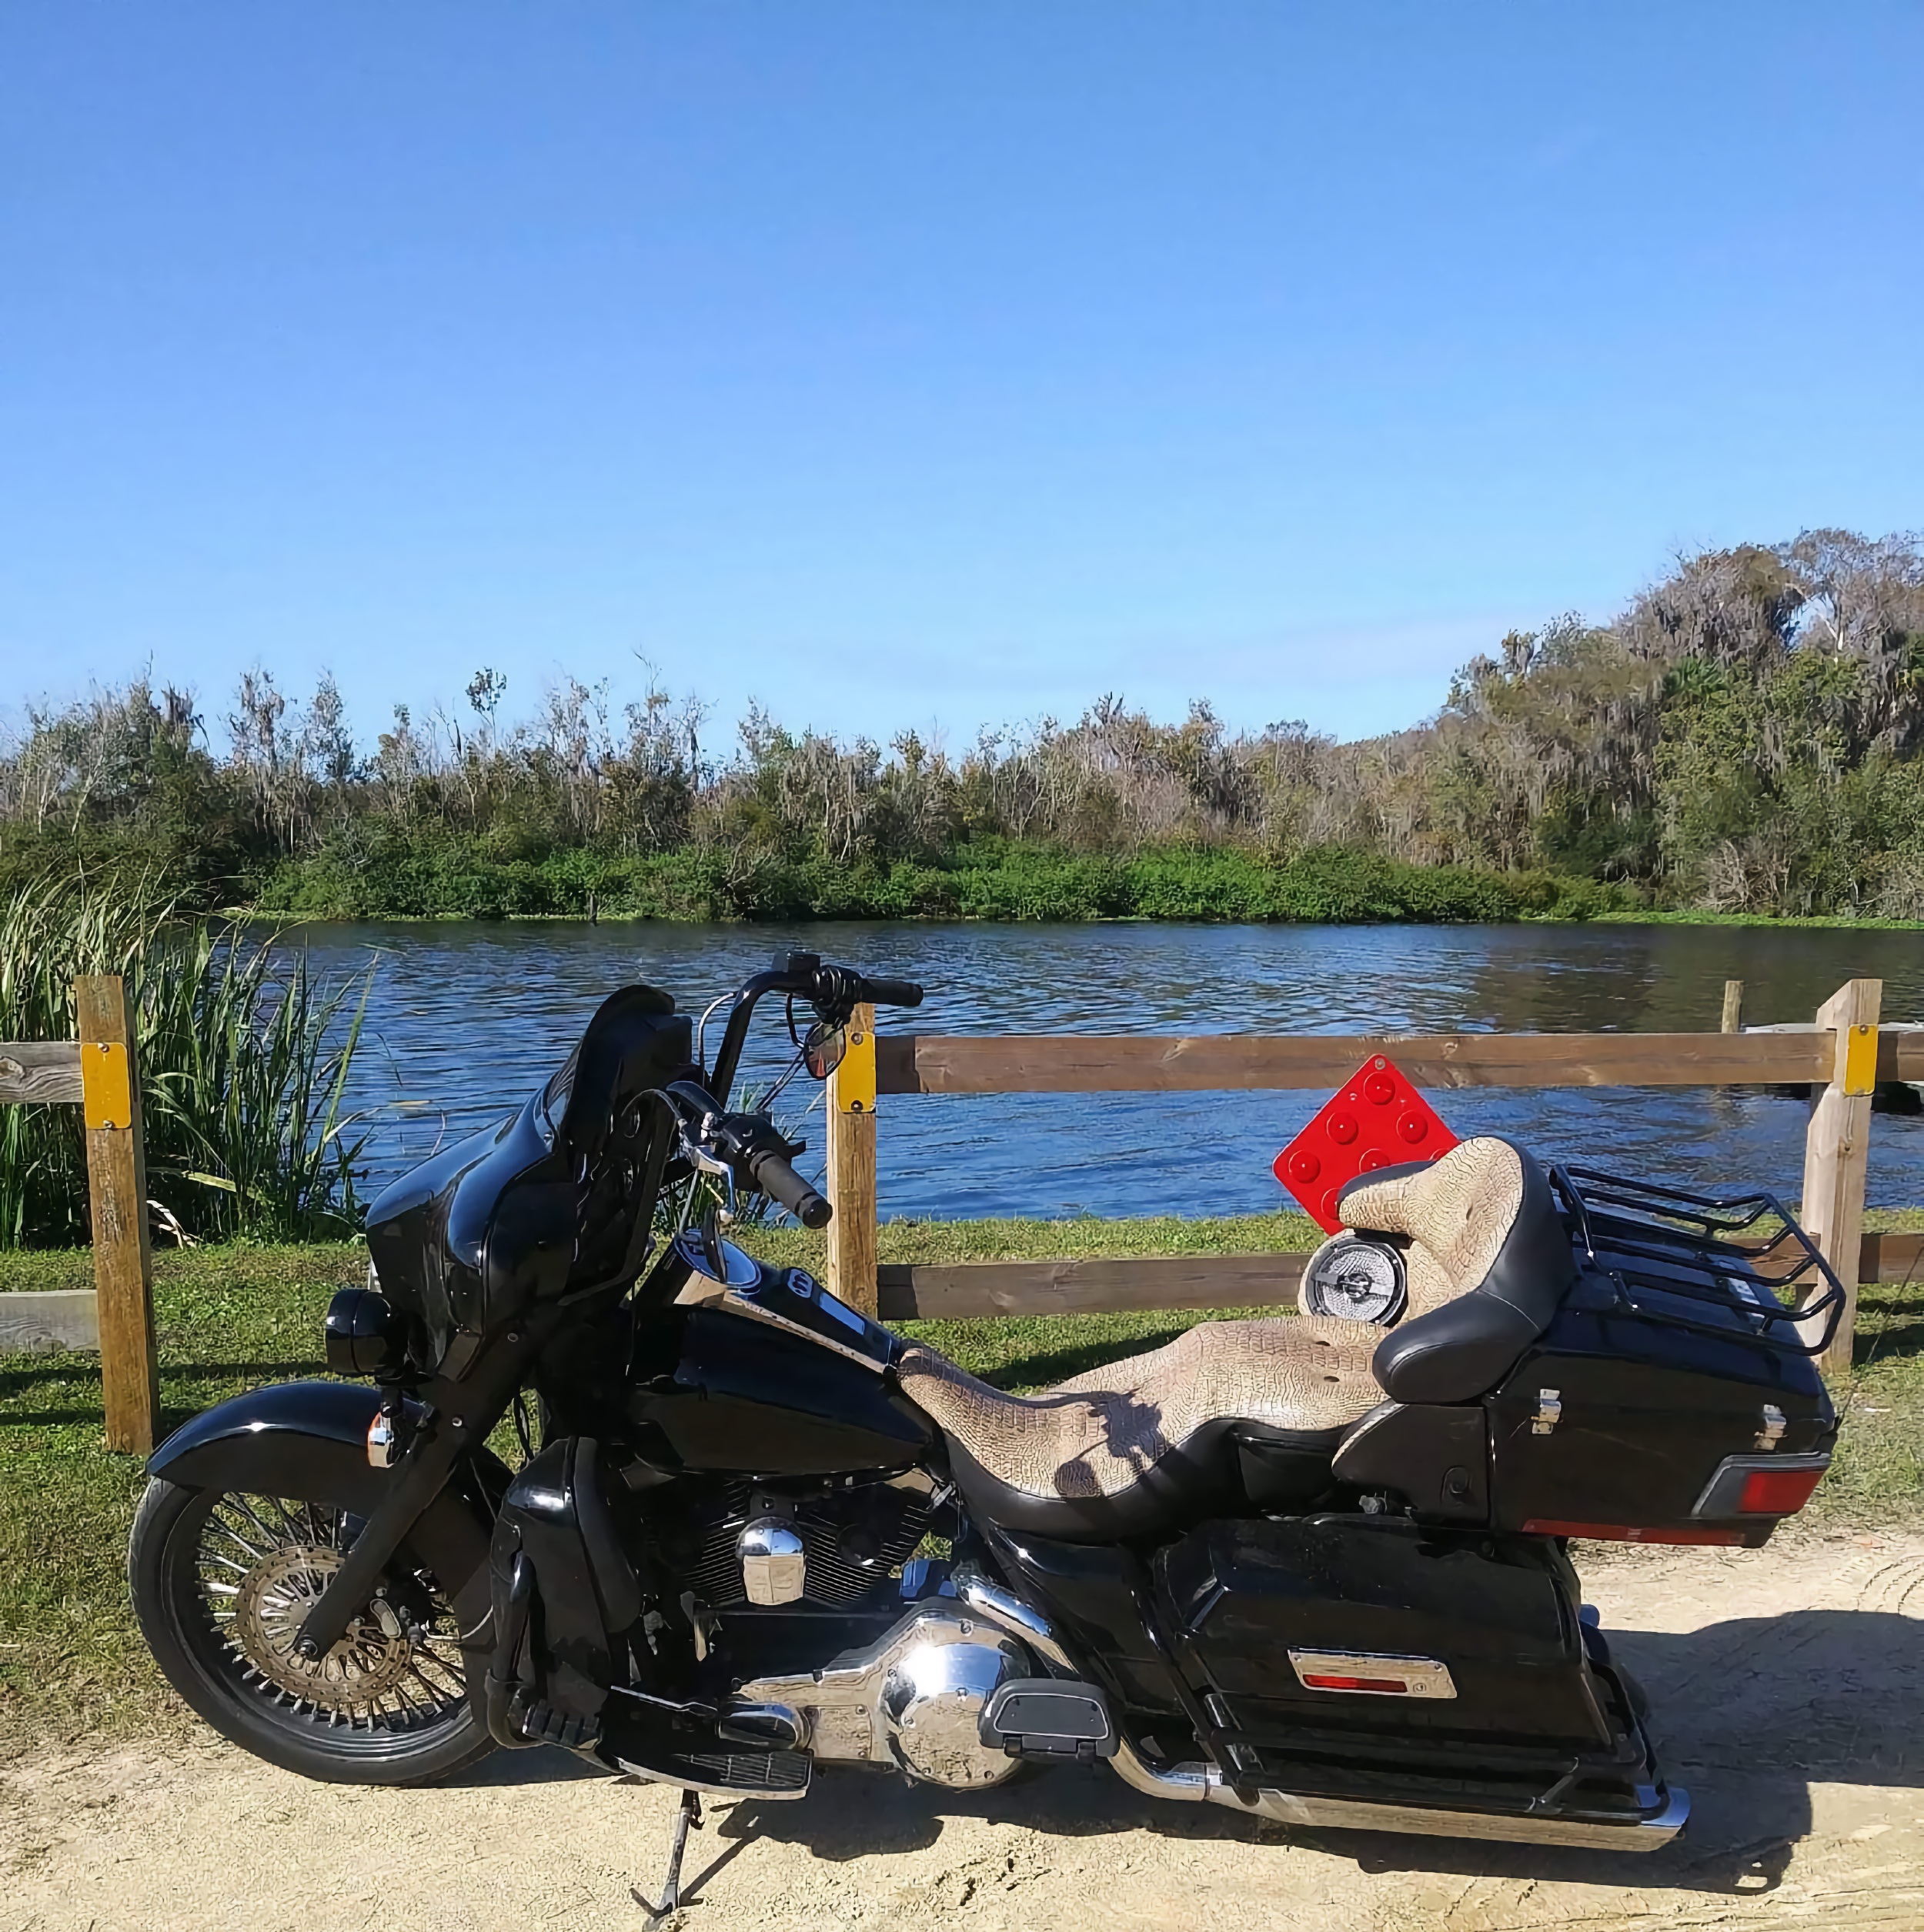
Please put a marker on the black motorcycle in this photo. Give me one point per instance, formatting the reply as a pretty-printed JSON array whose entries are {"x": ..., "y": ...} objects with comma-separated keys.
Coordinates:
[{"x": 1314, "y": 1568}]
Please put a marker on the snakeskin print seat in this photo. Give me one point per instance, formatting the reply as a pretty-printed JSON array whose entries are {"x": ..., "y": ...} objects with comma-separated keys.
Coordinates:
[{"x": 1131, "y": 1448}]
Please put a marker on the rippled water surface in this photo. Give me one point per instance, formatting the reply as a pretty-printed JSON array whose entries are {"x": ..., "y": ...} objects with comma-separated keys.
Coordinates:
[{"x": 466, "y": 1018}]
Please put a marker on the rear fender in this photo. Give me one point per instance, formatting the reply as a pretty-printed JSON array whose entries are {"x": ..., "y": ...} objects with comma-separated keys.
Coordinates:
[{"x": 307, "y": 1441}]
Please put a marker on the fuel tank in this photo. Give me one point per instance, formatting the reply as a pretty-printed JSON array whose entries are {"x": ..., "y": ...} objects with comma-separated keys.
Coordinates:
[{"x": 750, "y": 1392}]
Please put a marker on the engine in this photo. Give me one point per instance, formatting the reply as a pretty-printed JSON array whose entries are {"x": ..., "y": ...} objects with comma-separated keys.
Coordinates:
[{"x": 838, "y": 1548}]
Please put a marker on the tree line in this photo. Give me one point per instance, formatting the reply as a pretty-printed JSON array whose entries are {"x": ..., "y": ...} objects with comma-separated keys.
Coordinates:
[{"x": 1744, "y": 737}]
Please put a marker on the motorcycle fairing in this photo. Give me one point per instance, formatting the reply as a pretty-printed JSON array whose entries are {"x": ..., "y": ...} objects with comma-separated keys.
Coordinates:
[{"x": 557, "y": 1199}]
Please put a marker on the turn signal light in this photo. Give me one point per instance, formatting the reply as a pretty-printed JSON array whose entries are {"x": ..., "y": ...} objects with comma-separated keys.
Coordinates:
[{"x": 1777, "y": 1492}]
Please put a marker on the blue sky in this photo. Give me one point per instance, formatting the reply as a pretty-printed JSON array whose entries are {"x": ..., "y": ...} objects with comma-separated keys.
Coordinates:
[{"x": 913, "y": 363}]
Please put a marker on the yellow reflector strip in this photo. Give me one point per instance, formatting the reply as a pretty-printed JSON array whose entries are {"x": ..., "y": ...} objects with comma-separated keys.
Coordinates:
[
  {"x": 855, "y": 1078},
  {"x": 1860, "y": 1060},
  {"x": 106, "y": 1093}
]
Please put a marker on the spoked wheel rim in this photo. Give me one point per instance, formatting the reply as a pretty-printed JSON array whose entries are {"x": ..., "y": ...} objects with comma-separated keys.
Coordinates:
[{"x": 257, "y": 1563}]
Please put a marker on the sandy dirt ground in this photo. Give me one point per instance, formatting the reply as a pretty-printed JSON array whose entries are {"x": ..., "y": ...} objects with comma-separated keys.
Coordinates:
[{"x": 1789, "y": 1688}]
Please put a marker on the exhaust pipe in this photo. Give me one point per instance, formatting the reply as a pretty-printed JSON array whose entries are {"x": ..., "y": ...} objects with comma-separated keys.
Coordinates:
[{"x": 1203, "y": 1783}]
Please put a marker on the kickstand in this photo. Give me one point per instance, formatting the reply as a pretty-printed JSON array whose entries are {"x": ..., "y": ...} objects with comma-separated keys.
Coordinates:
[{"x": 689, "y": 1814}]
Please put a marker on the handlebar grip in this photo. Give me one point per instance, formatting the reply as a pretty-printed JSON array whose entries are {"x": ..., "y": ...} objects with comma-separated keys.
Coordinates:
[
  {"x": 892, "y": 992},
  {"x": 774, "y": 1177}
]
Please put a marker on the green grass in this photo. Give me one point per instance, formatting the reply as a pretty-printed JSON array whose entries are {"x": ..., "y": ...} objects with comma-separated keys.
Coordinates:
[
  {"x": 228, "y": 1319},
  {"x": 231, "y": 1318}
]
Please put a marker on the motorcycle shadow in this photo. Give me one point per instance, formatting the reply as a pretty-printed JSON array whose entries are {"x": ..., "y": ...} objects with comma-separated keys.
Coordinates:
[
  {"x": 1733, "y": 1847},
  {"x": 1747, "y": 1715}
]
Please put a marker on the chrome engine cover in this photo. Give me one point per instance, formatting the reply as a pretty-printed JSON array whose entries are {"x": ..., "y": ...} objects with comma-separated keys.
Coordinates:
[
  {"x": 774, "y": 1561},
  {"x": 915, "y": 1699}
]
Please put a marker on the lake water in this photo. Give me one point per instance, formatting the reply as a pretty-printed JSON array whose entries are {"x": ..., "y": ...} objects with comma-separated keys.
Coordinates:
[{"x": 465, "y": 1020}]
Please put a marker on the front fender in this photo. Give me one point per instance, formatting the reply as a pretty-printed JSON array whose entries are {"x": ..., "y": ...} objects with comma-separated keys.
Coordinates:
[
  {"x": 307, "y": 1442},
  {"x": 304, "y": 1440}
]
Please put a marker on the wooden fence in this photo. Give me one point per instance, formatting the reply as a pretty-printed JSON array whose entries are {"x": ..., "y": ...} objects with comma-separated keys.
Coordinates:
[
  {"x": 1843, "y": 1054},
  {"x": 98, "y": 1073}
]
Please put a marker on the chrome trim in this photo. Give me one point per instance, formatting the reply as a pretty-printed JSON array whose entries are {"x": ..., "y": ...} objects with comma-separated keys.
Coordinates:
[
  {"x": 1772, "y": 1434},
  {"x": 710, "y": 1293},
  {"x": 774, "y": 1563},
  {"x": 1183, "y": 1783},
  {"x": 1415, "y": 1676},
  {"x": 773, "y": 1727},
  {"x": 1350, "y": 1814},
  {"x": 752, "y": 1311},
  {"x": 1000, "y": 1605},
  {"x": 913, "y": 1698},
  {"x": 1549, "y": 1411},
  {"x": 1722, "y": 1493},
  {"x": 1200, "y": 1784}
]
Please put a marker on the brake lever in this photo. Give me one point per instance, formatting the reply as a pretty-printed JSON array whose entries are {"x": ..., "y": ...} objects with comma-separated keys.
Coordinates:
[{"x": 704, "y": 1162}]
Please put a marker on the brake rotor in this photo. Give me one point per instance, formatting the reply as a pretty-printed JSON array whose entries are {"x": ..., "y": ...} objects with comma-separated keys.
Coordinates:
[{"x": 272, "y": 1603}]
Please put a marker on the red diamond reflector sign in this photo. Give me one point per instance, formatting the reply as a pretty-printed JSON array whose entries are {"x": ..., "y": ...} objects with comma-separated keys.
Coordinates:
[{"x": 1377, "y": 1120}]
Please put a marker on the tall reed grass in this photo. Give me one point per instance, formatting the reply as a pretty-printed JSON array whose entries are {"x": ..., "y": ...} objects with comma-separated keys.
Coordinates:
[{"x": 244, "y": 1060}]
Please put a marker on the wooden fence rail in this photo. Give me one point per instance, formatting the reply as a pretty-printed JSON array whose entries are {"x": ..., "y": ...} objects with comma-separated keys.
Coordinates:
[
  {"x": 1841, "y": 1055},
  {"x": 98, "y": 1073}
]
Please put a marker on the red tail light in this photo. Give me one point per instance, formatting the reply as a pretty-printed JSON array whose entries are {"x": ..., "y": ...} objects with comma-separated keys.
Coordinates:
[
  {"x": 1777, "y": 1492},
  {"x": 1755, "y": 1486},
  {"x": 1628, "y": 1532},
  {"x": 1389, "y": 1686}
]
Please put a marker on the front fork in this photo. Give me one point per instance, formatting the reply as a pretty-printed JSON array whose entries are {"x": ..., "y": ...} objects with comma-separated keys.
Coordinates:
[{"x": 463, "y": 1404}]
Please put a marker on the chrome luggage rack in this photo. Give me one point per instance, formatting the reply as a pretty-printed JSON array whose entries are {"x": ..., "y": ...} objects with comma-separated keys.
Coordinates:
[{"x": 1733, "y": 1265}]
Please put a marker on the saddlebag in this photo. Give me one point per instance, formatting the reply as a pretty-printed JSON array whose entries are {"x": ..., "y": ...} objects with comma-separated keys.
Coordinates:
[
  {"x": 1373, "y": 1658},
  {"x": 1497, "y": 1620}
]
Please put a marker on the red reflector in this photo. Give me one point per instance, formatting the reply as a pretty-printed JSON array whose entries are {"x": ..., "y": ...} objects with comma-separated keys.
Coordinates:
[
  {"x": 1624, "y": 1532},
  {"x": 1777, "y": 1492},
  {"x": 1388, "y": 1684}
]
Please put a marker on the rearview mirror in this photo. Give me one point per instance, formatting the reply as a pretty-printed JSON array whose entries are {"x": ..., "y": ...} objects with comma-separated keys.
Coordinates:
[{"x": 822, "y": 1049}]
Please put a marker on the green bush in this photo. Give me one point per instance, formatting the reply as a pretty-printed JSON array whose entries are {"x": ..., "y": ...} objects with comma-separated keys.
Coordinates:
[{"x": 243, "y": 1061}]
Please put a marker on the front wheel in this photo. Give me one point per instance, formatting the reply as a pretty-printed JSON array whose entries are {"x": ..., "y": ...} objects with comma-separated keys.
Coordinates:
[{"x": 222, "y": 1580}]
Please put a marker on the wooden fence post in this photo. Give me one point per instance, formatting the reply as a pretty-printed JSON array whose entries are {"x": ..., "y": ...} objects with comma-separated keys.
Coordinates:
[
  {"x": 1733, "y": 1006},
  {"x": 117, "y": 1189},
  {"x": 851, "y": 1166},
  {"x": 1837, "y": 1150}
]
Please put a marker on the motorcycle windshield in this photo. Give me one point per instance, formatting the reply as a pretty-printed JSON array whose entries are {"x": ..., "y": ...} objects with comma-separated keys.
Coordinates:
[{"x": 559, "y": 1197}]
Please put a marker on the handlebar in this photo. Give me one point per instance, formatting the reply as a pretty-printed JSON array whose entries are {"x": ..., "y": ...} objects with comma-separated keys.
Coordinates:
[
  {"x": 752, "y": 1151},
  {"x": 751, "y": 1148},
  {"x": 833, "y": 991},
  {"x": 771, "y": 1172},
  {"x": 891, "y": 992}
]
